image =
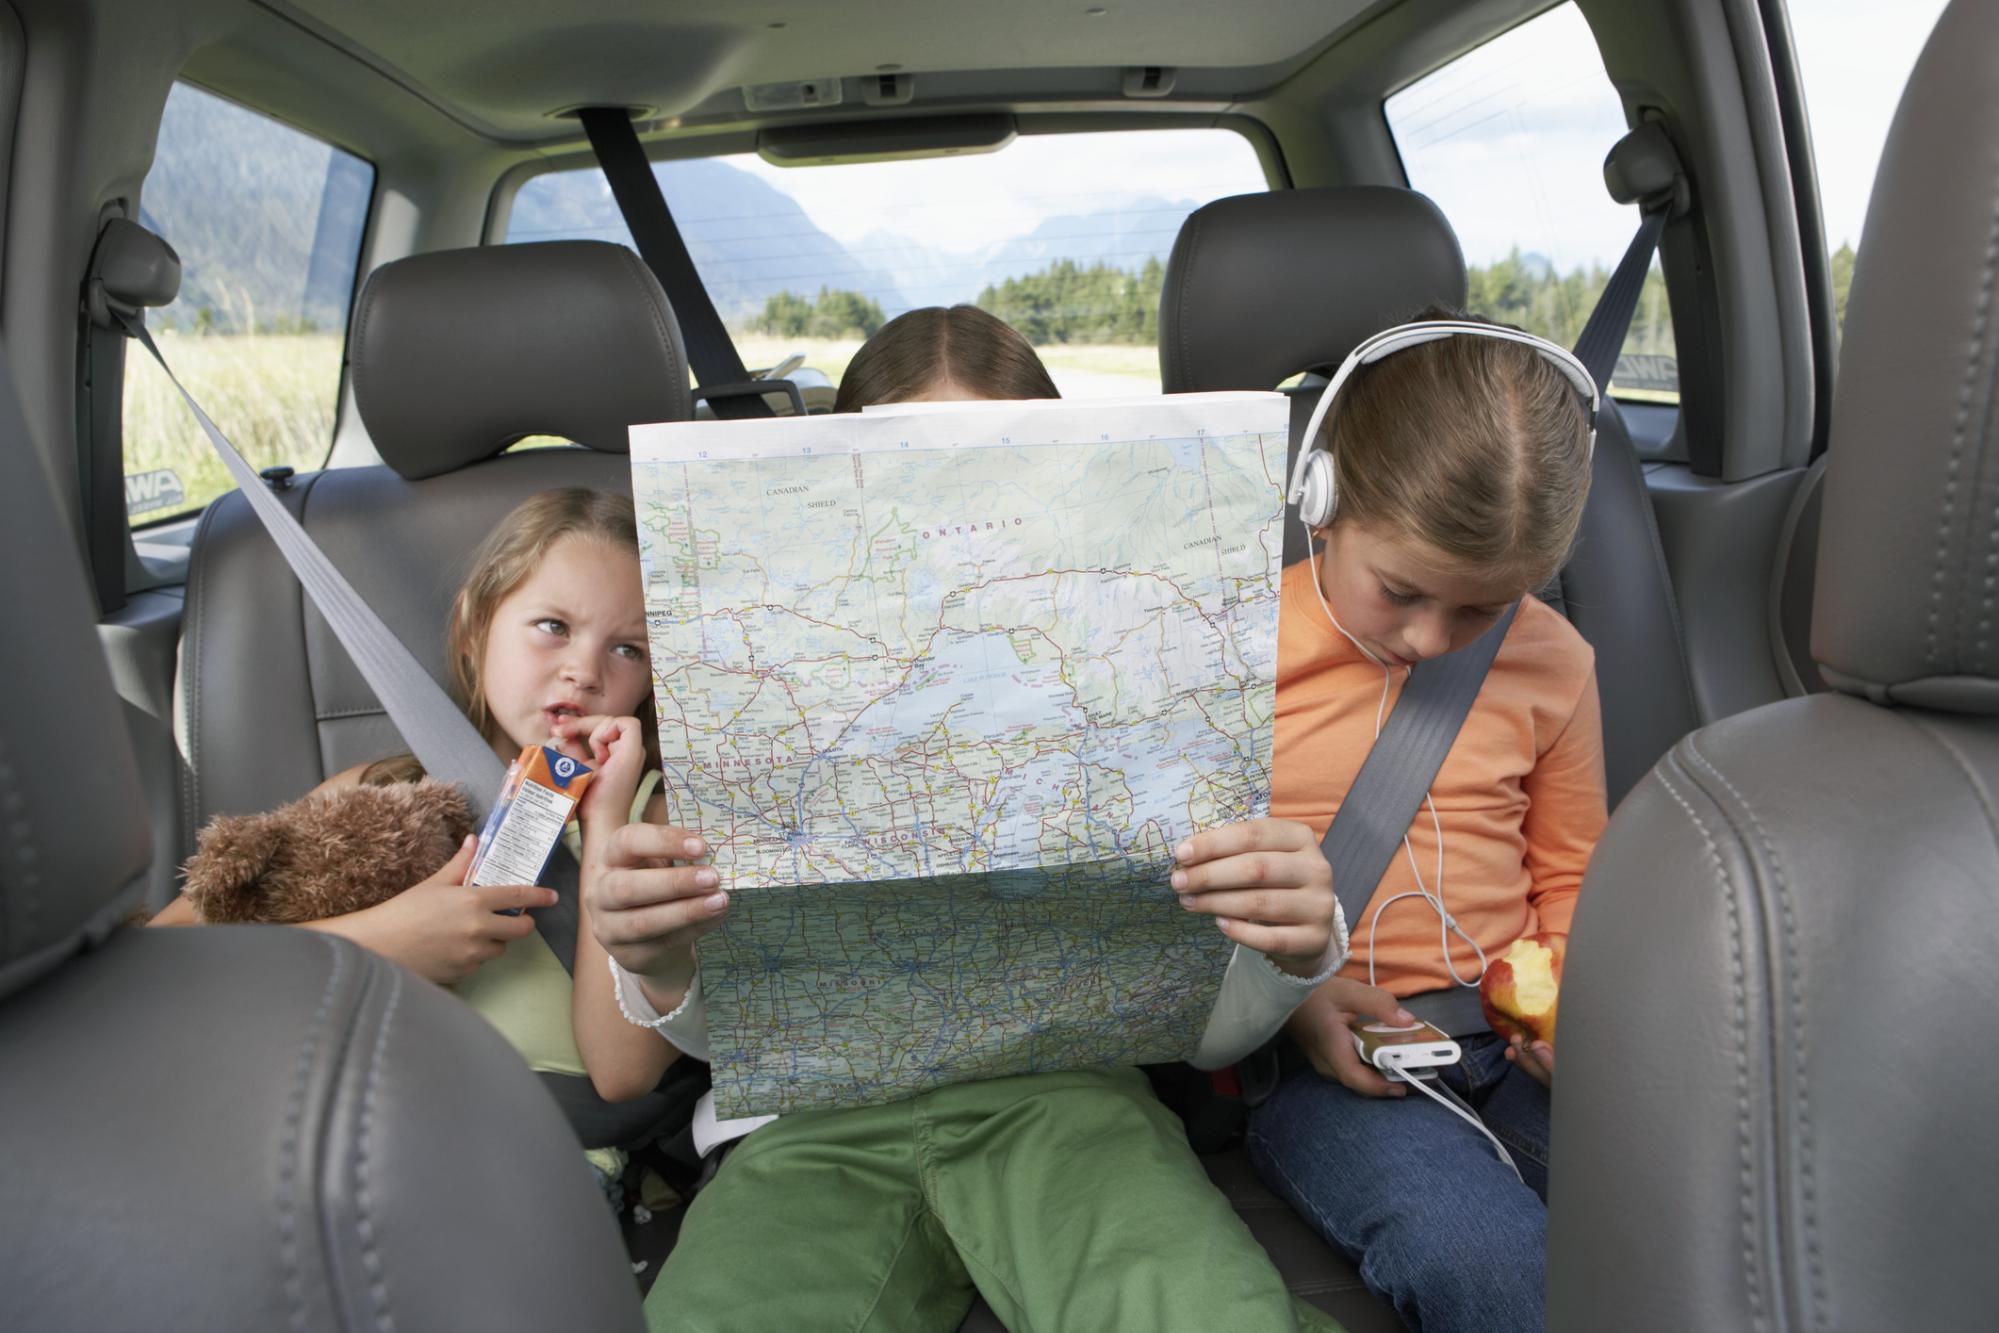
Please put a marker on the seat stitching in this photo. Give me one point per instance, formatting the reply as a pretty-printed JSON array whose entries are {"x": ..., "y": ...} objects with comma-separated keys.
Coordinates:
[
  {"x": 364, "y": 1225},
  {"x": 294, "y": 1283},
  {"x": 307, "y": 608},
  {"x": 1800, "y": 1048},
  {"x": 637, "y": 270},
  {"x": 336, "y": 714},
  {"x": 197, "y": 603},
  {"x": 359, "y": 360},
  {"x": 1959, "y": 431},
  {"x": 1186, "y": 284},
  {"x": 1971, "y": 776},
  {"x": 1746, "y": 1210},
  {"x": 1307, "y": 1286}
]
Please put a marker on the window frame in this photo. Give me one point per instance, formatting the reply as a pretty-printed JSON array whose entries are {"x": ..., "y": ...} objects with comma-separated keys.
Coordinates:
[
  {"x": 151, "y": 525},
  {"x": 1654, "y": 445}
]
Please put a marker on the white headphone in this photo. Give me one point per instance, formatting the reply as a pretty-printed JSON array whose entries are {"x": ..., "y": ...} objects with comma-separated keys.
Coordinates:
[{"x": 1315, "y": 485}]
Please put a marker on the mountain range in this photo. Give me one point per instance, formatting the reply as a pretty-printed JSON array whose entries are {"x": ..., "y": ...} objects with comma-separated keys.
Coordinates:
[{"x": 267, "y": 221}]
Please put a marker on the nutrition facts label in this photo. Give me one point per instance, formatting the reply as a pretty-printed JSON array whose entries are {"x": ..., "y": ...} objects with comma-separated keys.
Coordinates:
[{"x": 533, "y": 820}]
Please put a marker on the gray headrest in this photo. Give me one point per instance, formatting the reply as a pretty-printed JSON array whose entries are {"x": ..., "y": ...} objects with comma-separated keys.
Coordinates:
[
  {"x": 1907, "y": 603},
  {"x": 1262, "y": 286},
  {"x": 458, "y": 353},
  {"x": 73, "y": 834}
]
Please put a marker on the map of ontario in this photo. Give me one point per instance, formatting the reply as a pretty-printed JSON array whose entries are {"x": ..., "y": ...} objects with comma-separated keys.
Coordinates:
[{"x": 943, "y": 688}]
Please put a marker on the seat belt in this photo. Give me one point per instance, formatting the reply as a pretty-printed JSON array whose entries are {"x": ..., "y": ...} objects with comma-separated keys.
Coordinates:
[
  {"x": 434, "y": 728},
  {"x": 1603, "y": 335},
  {"x": 1382, "y": 802},
  {"x": 718, "y": 367}
]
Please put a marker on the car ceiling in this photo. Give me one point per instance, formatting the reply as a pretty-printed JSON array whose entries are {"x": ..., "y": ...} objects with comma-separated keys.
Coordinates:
[{"x": 502, "y": 67}]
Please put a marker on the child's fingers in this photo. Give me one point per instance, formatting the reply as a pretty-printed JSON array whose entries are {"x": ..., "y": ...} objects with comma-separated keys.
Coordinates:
[
  {"x": 1278, "y": 905},
  {"x": 1252, "y": 835},
  {"x": 619, "y": 767},
  {"x": 663, "y": 924},
  {"x": 607, "y": 732},
  {"x": 642, "y": 844},
  {"x": 453, "y": 871},
  {"x": 510, "y": 897},
  {"x": 1380, "y": 1005},
  {"x": 503, "y": 928},
  {"x": 636, "y": 888},
  {"x": 1276, "y": 941},
  {"x": 1356, "y": 1074}
]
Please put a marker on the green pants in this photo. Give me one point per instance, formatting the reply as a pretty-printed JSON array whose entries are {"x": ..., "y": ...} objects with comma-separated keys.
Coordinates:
[{"x": 1069, "y": 1201}]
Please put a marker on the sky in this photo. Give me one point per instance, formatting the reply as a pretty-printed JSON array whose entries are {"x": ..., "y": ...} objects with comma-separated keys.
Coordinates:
[
  {"x": 1509, "y": 140},
  {"x": 981, "y": 199}
]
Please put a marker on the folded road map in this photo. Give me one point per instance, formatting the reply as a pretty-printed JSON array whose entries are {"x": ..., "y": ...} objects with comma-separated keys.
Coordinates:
[{"x": 943, "y": 689}]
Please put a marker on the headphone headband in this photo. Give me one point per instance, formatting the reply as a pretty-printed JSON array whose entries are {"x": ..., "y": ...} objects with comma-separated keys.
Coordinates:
[{"x": 1393, "y": 340}]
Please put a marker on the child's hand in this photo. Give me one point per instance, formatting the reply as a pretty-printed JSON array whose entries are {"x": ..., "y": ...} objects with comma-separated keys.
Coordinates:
[
  {"x": 443, "y": 930},
  {"x": 615, "y": 748},
  {"x": 571, "y": 735},
  {"x": 1320, "y": 1027},
  {"x": 1538, "y": 1060},
  {"x": 646, "y": 911},
  {"x": 1268, "y": 886}
]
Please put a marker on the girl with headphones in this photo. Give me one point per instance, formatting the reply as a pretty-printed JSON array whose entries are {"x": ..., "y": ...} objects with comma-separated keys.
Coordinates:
[{"x": 1447, "y": 486}]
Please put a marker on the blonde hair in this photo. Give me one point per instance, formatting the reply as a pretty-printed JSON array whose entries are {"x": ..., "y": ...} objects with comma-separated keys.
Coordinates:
[
  {"x": 506, "y": 559},
  {"x": 961, "y": 344},
  {"x": 1476, "y": 447}
]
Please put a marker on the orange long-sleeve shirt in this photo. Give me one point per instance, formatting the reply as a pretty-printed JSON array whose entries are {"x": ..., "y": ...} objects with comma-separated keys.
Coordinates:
[{"x": 1520, "y": 796}]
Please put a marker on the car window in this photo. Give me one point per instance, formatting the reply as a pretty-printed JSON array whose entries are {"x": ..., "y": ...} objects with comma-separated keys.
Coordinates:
[
  {"x": 1509, "y": 140},
  {"x": 1065, "y": 236},
  {"x": 1854, "y": 58},
  {"x": 268, "y": 222}
]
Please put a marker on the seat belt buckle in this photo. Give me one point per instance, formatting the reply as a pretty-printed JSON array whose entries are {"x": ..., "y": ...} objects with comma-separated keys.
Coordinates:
[{"x": 753, "y": 389}]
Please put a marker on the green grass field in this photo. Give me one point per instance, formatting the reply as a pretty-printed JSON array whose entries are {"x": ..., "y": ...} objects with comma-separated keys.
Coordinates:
[{"x": 274, "y": 396}]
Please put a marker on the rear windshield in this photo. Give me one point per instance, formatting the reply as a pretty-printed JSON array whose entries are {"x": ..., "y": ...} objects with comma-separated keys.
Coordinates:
[{"x": 1065, "y": 236}]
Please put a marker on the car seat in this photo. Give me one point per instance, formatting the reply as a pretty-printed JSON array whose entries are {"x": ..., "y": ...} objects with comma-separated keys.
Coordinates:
[
  {"x": 239, "y": 1127},
  {"x": 1776, "y": 1077},
  {"x": 455, "y": 355}
]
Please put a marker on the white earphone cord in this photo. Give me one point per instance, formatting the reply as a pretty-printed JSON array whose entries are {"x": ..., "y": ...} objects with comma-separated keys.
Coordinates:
[
  {"x": 1447, "y": 925},
  {"x": 1397, "y": 1076}
]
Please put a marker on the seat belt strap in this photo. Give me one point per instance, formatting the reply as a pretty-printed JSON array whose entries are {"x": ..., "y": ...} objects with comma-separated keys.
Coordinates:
[
  {"x": 1382, "y": 802},
  {"x": 447, "y": 745},
  {"x": 717, "y": 365},
  {"x": 1603, "y": 335}
]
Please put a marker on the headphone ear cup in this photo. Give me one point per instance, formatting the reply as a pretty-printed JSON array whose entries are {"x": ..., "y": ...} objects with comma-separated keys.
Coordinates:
[{"x": 1319, "y": 499}]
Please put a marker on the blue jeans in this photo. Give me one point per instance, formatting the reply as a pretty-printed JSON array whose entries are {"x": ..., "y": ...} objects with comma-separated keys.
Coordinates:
[{"x": 1440, "y": 1227}]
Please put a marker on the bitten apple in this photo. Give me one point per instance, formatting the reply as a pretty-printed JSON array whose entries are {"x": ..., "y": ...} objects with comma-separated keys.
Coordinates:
[{"x": 1519, "y": 990}]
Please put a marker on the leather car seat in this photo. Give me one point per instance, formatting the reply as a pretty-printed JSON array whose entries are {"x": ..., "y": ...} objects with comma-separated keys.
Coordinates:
[
  {"x": 456, "y": 354},
  {"x": 1776, "y": 1084},
  {"x": 1262, "y": 287},
  {"x": 239, "y": 1127}
]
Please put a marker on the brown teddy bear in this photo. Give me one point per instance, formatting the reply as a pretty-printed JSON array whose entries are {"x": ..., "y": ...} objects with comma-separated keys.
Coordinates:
[{"x": 326, "y": 854}]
